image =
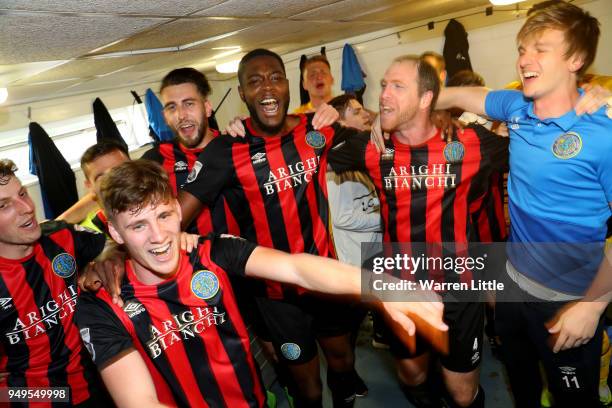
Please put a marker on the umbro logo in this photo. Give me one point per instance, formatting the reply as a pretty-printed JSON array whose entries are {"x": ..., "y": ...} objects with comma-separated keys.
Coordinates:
[
  {"x": 5, "y": 303},
  {"x": 388, "y": 154},
  {"x": 180, "y": 166},
  {"x": 133, "y": 309},
  {"x": 258, "y": 158}
]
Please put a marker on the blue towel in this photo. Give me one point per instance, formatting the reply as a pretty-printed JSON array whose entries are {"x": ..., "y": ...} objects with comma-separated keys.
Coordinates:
[
  {"x": 352, "y": 75},
  {"x": 156, "y": 117}
]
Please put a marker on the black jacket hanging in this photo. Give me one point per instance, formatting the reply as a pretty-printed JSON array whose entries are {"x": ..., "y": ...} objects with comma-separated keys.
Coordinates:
[
  {"x": 456, "y": 48},
  {"x": 106, "y": 129},
  {"x": 56, "y": 178}
]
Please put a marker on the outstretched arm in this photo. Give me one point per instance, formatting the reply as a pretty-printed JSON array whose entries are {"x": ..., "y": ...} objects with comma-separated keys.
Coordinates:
[
  {"x": 468, "y": 98},
  {"x": 329, "y": 276}
]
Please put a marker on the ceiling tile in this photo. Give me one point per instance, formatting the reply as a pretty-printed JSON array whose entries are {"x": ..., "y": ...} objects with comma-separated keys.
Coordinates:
[
  {"x": 154, "y": 7},
  {"x": 40, "y": 38}
]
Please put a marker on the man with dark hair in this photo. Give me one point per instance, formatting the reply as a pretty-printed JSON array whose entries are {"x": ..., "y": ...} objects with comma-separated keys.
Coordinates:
[
  {"x": 318, "y": 82},
  {"x": 180, "y": 334},
  {"x": 352, "y": 114},
  {"x": 560, "y": 192},
  {"x": 96, "y": 161},
  {"x": 40, "y": 341},
  {"x": 273, "y": 182},
  {"x": 429, "y": 192},
  {"x": 184, "y": 95}
]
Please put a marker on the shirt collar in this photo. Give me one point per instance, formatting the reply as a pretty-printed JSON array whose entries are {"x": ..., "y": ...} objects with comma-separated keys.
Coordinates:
[{"x": 565, "y": 122}]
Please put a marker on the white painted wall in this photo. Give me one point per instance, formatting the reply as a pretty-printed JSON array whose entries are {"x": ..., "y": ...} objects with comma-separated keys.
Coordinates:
[{"x": 492, "y": 52}]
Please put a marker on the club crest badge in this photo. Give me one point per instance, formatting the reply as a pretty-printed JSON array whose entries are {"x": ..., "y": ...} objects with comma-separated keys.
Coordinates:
[
  {"x": 567, "y": 145},
  {"x": 454, "y": 152},
  {"x": 64, "y": 265},
  {"x": 291, "y": 351},
  {"x": 315, "y": 139},
  {"x": 205, "y": 284}
]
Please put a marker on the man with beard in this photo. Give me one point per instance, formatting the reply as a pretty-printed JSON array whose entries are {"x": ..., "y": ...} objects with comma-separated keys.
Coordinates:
[
  {"x": 184, "y": 94},
  {"x": 273, "y": 182},
  {"x": 429, "y": 191}
]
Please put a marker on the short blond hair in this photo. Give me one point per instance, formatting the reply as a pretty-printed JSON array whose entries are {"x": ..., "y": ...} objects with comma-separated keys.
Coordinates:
[{"x": 580, "y": 29}]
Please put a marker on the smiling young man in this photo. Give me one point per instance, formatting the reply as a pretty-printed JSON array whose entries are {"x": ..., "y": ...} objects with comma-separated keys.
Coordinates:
[
  {"x": 560, "y": 192},
  {"x": 179, "y": 338},
  {"x": 40, "y": 341},
  {"x": 274, "y": 185}
]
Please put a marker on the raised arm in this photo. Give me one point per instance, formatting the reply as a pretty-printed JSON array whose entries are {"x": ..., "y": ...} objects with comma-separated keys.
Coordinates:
[
  {"x": 469, "y": 98},
  {"x": 129, "y": 382},
  {"x": 79, "y": 210}
]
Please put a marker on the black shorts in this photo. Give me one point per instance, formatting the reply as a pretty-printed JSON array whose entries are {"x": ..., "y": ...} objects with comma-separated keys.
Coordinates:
[
  {"x": 294, "y": 325},
  {"x": 465, "y": 322}
]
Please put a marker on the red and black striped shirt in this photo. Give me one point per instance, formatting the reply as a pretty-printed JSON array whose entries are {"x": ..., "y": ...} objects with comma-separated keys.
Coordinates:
[
  {"x": 274, "y": 187},
  {"x": 41, "y": 346},
  {"x": 178, "y": 161},
  {"x": 491, "y": 220},
  {"x": 187, "y": 329},
  {"x": 432, "y": 192}
]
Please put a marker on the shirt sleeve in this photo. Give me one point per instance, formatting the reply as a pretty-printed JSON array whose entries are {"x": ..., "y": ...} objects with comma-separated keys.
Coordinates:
[
  {"x": 212, "y": 171},
  {"x": 605, "y": 172},
  {"x": 494, "y": 147},
  {"x": 103, "y": 334},
  {"x": 348, "y": 152},
  {"x": 499, "y": 105},
  {"x": 88, "y": 244},
  {"x": 231, "y": 253},
  {"x": 153, "y": 154}
]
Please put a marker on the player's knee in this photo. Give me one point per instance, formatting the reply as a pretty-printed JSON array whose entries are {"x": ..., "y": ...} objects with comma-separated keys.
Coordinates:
[
  {"x": 411, "y": 377},
  {"x": 308, "y": 394},
  {"x": 463, "y": 396}
]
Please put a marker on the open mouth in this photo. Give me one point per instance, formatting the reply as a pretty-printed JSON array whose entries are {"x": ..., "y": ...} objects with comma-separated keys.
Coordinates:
[
  {"x": 269, "y": 106},
  {"x": 161, "y": 251},
  {"x": 385, "y": 110},
  {"x": 187, "y": 128},
  {"x": 529, "y": 75},
  {"x": 28, "y": 224}
]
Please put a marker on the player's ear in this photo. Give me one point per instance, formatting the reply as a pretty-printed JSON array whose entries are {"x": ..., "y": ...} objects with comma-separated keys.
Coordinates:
[
  {"x": 208, "y": 107},
  {"x": 425, "y": 100},
  {"x": 179, "y": 211},
  {"x": 575, "y": 62},
  {"x": 241, "y": 93},
  {"x": 114, "y": 234}
]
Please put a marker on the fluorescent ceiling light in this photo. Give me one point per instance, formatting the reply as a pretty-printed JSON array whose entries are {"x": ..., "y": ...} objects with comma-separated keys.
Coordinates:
[
  {"x": 3, "y": 95},
  {"x": 229, "y": 67},
  {"x": 504, "y": 2}
]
